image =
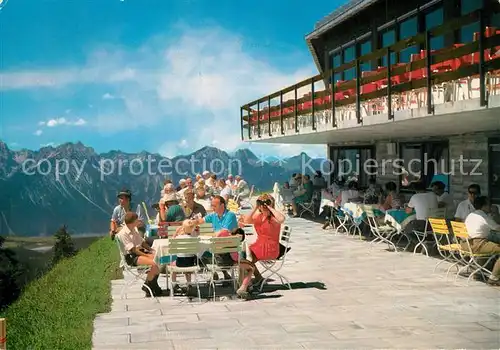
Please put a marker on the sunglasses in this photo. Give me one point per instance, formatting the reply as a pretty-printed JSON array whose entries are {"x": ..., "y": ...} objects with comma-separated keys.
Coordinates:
[{"x": 472, "y": 193}]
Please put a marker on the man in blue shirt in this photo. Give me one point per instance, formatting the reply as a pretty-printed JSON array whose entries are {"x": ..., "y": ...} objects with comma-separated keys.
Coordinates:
[{"x": 221, "y": 218}]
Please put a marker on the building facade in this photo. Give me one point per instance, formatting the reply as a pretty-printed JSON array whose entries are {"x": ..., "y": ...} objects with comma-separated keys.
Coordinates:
[{"x": 406, "y": 91}]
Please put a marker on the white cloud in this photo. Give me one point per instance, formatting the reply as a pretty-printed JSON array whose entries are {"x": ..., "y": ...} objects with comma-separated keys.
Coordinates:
[
  {"x": 55, "y": 122},
  {"x": 80, "y": 122},
  {"x": 199, "y": 78},
  {"x": 41, "y": 123},
  {"x": 63, "y": 121},
  {"x": 38, "y": 132},
  {"x": 108, "y": 96}
]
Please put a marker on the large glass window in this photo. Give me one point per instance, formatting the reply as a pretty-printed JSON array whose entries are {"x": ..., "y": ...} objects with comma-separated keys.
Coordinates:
[
  {"x": 427, "y": 162},
  {"x": 495, "y": 20},
  {"x": 364, "y": 49},
  {"x": 389, "y": 38},
  {"x": 407, "y": 29},
  {"x": 352, "y": 162},
  {"x": 337, "y": 62},
  {"x": 432, "y": 20},
  {"x": 350, "y": 55},
  {"x": 468, "y": 6}
]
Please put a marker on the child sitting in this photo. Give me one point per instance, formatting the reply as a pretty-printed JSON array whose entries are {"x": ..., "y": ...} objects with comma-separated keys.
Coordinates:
[{"x": 185, "y": 260}]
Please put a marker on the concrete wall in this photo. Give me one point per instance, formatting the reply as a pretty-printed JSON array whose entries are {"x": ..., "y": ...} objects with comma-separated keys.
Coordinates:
[{"x": 474, "y": 150}]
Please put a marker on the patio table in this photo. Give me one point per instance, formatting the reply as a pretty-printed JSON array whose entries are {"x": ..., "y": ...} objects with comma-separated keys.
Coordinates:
[
  {"x": 398, "y": 218},
  {"x": 357, "y": 212},
  {"x": 162, "y": 256}
]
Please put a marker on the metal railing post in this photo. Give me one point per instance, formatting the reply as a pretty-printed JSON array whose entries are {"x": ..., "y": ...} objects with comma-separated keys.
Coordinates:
[
  {"x": 295, "y": 110},
  {"x": 269, "y": 114},
  {"x": 482, "y": 73},
  {"x": 358, "y": 92},
  {"x": 281, "y": 113},
  {"x": 258, "y": 120},
  {"x": 249, "y": 111},
  {"x": 428, "y": 65},
  {"x": 332, "y": 84},
  {"x": 241, "y": 121},
  {"x": 312, "y": 105},
  {"x": 390, "y": 115}
]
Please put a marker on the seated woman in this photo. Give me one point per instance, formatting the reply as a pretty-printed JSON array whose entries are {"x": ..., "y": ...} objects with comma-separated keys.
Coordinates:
[
  {"x": 267, "y": 223},
  {"x": 138, "y": 252},
  {"x": 305, "y": 195},
  {"x": 393, "y": 200}
]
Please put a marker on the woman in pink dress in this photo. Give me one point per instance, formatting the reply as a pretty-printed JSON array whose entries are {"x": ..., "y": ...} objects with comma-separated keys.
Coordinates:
[{"x": 267, "y": 223}]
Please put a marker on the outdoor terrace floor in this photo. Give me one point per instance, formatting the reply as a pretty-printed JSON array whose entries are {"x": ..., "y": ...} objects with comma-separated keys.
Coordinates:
[{"x": 371, "y": 298}]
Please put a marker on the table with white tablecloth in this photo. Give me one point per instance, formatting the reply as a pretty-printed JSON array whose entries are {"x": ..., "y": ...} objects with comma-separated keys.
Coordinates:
[
  {"x": 398, "y": 218},
  {"x": 327, "y": 200},
  {"x": 162, "y": 255}
]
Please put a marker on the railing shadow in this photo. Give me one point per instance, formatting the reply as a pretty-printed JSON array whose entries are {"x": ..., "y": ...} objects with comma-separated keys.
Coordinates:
[{"x": 269, "y": 288}]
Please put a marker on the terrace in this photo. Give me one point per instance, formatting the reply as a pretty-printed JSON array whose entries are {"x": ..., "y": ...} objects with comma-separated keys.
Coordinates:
[{"x": 450, "y": 91}]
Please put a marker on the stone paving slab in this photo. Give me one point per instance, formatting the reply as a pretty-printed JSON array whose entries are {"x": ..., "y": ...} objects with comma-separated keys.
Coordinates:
[{"x": 347, "y": 295}]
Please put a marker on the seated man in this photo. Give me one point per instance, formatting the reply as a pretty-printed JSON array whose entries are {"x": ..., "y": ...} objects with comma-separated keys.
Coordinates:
[
  {"x": 221, "y": 220},
  {"x": 192, "y": 209},
  {"x": 422, "y": 204},
  {"x": 203, "y": 198},
  {"x": 445, "y": 200},
  {"x": 139, "y": 252},
  {"x": 479, "y": 226},
  {"x": 467, "y": 206}
]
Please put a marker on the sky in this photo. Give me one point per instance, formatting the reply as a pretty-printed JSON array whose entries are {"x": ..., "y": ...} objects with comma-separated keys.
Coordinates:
[{"x": 165, "y": 76}]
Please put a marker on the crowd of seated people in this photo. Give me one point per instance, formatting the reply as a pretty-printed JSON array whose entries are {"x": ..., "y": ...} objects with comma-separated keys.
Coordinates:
[
  {"x": 192, "y": 203},
  {"x": 481, "y": 219}
]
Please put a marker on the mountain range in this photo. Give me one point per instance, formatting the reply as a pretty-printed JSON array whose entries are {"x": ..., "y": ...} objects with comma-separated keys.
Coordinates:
[{"x": 73, "y": 185}]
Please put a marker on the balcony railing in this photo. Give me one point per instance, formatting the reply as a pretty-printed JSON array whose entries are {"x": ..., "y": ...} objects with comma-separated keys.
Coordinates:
[{"x": 432, "y": 77}]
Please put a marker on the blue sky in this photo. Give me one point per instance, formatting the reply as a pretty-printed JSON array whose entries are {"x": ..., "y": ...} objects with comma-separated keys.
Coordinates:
[{"x": 164, "y": 76}]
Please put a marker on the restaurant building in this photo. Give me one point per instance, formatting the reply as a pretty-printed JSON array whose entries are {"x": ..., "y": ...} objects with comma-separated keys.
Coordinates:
[{"x": 415, "y": 87}]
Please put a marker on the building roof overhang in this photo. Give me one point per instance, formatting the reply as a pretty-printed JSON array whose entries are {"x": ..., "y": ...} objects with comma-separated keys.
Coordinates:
[{"x": 339, "y": 15}]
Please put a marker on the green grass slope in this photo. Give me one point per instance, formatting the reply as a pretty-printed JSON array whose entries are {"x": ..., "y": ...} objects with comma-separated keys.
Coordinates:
[{"x": 57, "y": 310}]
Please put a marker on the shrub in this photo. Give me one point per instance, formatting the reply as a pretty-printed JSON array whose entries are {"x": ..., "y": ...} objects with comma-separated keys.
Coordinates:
[
  {"x": 63, "y": 246},
  {"x": 57, "y": 311},
  {"x": 10, "y": 271}
]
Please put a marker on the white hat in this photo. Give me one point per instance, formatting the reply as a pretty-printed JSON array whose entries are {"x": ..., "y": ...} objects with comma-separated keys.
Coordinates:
[
  {"x": 169, "y": 197},
  {"x": 182, "y": 181},
  {"x": 206, "y": 172}
]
